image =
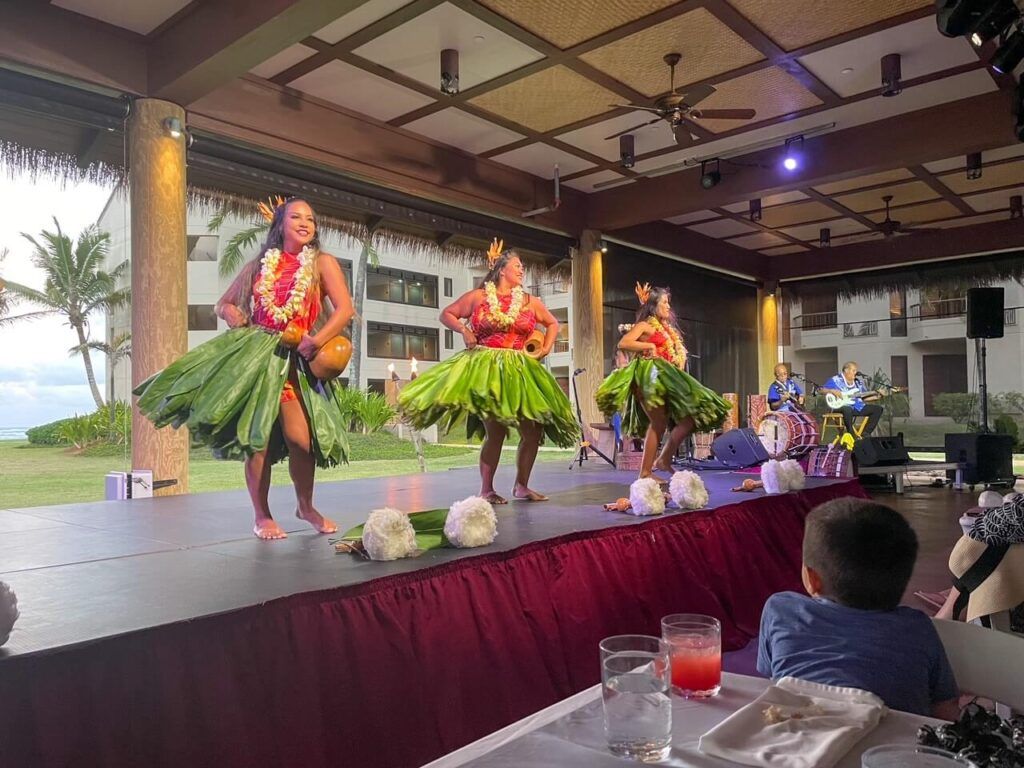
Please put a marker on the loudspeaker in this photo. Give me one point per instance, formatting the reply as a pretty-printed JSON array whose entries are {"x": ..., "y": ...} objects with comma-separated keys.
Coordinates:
[
  {"x": 739, "y": 448},
  {"x": 989, "y": 457},
  {"x": 984, "y": 313},
  {"x": 880, "y": 451}
]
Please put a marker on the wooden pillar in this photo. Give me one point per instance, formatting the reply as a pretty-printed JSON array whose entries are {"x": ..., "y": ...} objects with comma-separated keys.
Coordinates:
[
  {"x": 588, "y": 322},
  {"x": 156, "y": 179},
  {"x": 767, "y": 337}
]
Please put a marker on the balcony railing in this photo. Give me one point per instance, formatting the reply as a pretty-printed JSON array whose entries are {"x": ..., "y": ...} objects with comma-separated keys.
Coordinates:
[
  {"x": 815, "y": 321},
  {"x": 853, "y": 330},
  {"x": 1010, "y": 316},
  {"x": 561, "y": 345},
  {"x": 940, "y": 308},
  {"x": 551, "y": 288}
]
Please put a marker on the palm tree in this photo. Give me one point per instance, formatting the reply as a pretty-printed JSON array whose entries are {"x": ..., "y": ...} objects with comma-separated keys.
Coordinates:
[
  {"x": 367, "y": 255},
  {"x": 74, "y": 286},
  {"x": 4, "y": 303},
  {"x": 119, "y": 348},
  {"x": 233, "y": 256}
]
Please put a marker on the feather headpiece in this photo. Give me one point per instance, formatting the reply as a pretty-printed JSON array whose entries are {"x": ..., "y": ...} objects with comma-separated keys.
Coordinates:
[
  {"x": 268, "y": 208},
  {"x": 494, "y": 252},
  {"x": 643, "y": 292}
]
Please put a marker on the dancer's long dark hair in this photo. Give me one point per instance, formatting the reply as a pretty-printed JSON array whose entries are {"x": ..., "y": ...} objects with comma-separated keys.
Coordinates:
[
  {"x": 649, "y": 309},
  {"x": 240, "y": 292},
  {"x": 494, "y": 273}
]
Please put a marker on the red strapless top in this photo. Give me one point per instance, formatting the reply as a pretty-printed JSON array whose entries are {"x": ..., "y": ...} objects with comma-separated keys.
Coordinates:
[
  {"x": 489, "y": 334},
  {"x": 663, "y": 344},
  {"x": 287, "y": 267}
]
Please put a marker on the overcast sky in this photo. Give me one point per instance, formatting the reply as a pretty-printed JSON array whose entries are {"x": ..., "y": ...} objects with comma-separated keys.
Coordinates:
[{"x": 39, "y": 382}]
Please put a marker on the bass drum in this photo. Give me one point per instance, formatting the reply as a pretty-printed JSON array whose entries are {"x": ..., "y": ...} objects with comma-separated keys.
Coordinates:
[{"x": 787, "y": 434}]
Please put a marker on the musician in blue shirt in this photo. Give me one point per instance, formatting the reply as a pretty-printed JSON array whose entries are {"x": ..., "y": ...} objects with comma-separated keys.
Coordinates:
[
  {"x": 784, "y": 394},
  {"x": 848, "y": 386}
]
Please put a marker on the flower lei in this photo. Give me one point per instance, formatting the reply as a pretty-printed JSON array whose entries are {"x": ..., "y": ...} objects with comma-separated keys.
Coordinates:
[
  {"x": 493, "y": 310},
  {"x": 676, "y": 348},
  {"x": 300, "y": 287}
]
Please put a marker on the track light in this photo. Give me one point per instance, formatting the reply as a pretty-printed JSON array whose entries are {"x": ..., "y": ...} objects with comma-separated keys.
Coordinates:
[
  {"x": 709, "y": 179},
  {"x": 173, "y": 127},
  {"x": 824, "y": 237},
  {"x": 602, "y": 246},
  {"x": 993, "y": 22},
  {"x": 755, "y": 209},
  {"x": 891, "y": 74},
  {"x": 1009, "y": 54},
  {"x": 974, "y": 166},
  {"x": 627, "y": 150},
  {"x": 793, "y": 157},
  {"x": 956, "y": 18},
  {"x": 449, "y": 71}
]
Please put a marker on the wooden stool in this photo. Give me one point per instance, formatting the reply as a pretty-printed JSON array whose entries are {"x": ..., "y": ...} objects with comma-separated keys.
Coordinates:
[{"x": 833, "y": 430}]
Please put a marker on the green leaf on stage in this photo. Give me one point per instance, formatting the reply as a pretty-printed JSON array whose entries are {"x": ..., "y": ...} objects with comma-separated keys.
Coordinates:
[{"x": 429, "y": 527}]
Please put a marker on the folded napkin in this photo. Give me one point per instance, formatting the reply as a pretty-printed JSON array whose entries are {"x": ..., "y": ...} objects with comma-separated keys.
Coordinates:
[{"x": 796, "y": 724}]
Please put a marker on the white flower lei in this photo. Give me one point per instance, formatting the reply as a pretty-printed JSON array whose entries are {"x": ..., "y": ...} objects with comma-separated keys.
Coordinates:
[
  {"x": 493, "y": 309},
  {"x": 676, "y": 347},
  {"x": 300, "y": 287}
]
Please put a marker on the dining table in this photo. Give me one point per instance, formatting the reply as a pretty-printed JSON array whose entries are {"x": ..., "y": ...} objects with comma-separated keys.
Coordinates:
[{"x": 570, "y": 733}]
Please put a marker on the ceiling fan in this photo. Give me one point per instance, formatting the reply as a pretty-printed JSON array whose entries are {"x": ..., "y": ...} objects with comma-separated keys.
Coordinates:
[
  {"x": 673, "y": 107},
  {"x": 891, "y": 227}
]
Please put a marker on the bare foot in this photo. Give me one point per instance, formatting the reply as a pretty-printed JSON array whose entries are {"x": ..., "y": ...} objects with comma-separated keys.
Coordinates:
[
  {"x": 318, "y": 521},
  {"x": 660, "y": 467},
  {"x": 660, "y": 480},
  {"x": 494, "y": 498},
  {"x": 268, "y": 529},
  {"x": 522, "y": 493}
]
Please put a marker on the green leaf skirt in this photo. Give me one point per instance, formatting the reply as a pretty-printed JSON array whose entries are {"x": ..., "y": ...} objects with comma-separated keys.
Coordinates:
[
  {"x": 228, "y": 393},
  {"x": 657, "y": 383},
  {"x": 482, "y": 383}
]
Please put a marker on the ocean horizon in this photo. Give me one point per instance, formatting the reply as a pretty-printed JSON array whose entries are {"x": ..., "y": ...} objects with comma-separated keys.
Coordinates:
[{"x": 13, "y": 433}]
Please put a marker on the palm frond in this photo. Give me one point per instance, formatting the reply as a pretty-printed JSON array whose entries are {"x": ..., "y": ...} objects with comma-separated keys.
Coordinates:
[
  {"x": 217, "y": 220},
  {"x": 20, "y": 292},
  {"x": 234, "y": 255},
  {"x": 372, "y": 257},
  {"x": 11, "y": 319}
]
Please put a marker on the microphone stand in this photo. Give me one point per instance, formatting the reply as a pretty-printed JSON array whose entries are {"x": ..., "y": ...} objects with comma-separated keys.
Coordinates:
[{"x": 582, "y": 454}]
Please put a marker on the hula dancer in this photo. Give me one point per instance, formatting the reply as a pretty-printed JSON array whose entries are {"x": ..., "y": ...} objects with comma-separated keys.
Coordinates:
[
  {"x": 654, "y": 391},
  {"x": 494, "y": 383},
  {"x": 249, "y": 393}
]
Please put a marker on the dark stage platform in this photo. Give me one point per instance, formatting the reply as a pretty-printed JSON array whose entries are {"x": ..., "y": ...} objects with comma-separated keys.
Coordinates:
[{"x": 143, "y": 621}]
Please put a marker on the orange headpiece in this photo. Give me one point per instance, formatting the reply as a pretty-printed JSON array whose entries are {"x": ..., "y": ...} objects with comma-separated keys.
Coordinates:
[
  {"x": 643, "y": 292},
  {"x": 267, "y": 209},
  {"x": 494, "y": 252}
]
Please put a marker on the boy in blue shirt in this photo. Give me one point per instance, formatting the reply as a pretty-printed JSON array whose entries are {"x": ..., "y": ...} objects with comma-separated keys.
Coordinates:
[{"x": 852, "y": 631}]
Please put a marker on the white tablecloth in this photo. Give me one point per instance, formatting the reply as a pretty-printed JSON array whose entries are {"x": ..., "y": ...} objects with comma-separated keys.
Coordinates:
[{"x": 571, "y": 733}]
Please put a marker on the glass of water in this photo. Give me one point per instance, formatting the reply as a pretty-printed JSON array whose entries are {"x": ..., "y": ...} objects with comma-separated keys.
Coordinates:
[{"x": 635, "y": 676}]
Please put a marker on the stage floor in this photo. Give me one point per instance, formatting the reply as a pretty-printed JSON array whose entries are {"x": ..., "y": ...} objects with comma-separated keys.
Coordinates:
[{"x": 84, "y": 572}]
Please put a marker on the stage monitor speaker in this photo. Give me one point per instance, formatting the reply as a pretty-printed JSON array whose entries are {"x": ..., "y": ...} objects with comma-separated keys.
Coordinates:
[
  {"x": 989, "y": 457},
  {"x": 984, "y": 313},
  {"x": 880, "y": 452},
  {"x": 739, "y": 448}
]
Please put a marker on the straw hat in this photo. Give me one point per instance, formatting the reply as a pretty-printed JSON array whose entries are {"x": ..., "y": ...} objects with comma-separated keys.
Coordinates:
[{"x": 1003, "y": 590}]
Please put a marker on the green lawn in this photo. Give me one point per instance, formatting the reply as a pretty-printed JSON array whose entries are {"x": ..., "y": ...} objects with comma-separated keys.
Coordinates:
[{"x": 32, "y": 475}]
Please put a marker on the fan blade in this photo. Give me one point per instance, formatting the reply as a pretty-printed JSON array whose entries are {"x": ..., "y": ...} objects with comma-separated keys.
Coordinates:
[
  {"x": 682, "y": 134},
  {"x": 723, "y": 114},
  {"x": 697, "y": 94},
  {"x": 915, "y": 230},
  {"x": 634, "y": 128},
  {"x": 655, "y": 110}
]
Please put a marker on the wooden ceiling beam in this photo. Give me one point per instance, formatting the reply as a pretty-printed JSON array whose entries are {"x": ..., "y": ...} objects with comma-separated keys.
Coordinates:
[
  {"x": 223, "y": 39},
  {"x": 941, "y": 189},
  {"x": 910, "y": 139}
]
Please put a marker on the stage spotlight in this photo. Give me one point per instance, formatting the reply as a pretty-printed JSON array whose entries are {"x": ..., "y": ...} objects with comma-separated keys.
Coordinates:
[
  {"x": 1009, "y": 54},
  {"x": 173, "y": 127},
  {"x": 891, "y": 74},
  {"x": 449, "y": 71},
  {"x": 956, "y": 18},
  {"x": 627, "y": 150},
  {"x": 709, "y": 179},
  {"x": 1016, "y": 206},
  {"x": 792, "y": 159},
  {"x": 993, "y": 22},
  {"x": 602, "y": 246},
  {"x": 755, "y": 209},
  {"x": 974, "y": 166}
]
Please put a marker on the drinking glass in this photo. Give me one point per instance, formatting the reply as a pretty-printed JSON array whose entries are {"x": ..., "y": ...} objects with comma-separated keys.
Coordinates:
[
  {"x": 635, "y": 689},
  {"x": 695, "y": 645},
  {"x": 910, "y": 756}
]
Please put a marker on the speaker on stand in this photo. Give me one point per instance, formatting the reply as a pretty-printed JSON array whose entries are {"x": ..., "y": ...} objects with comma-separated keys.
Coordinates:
[{"x": 984, "y": 321}]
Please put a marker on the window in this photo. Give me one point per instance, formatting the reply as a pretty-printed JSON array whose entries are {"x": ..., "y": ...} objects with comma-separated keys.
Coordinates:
[
  {"x": 898, "y": 314},
  {"x": 785, "y": 323},
  {"x": 201, "y": 317},
  {"x": 399, "y": 287},
  {"x": 818, "y": 311},
  {"x": 942, "y": 373},
  {"x": 898, "y": 371},
  {"x": 449, "y": 289},
  {"x": 375, "y": 385},
  {"x": 449, "y": 338},
  {"x": 401, "y": 341},
  {"x": 202, "y": 247}
]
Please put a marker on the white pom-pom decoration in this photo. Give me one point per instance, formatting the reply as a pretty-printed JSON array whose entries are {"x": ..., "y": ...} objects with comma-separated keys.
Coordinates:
[
  {"x": 388, "y": 535},
  {"x": 990, "y": 499},
  {"x": 771, "y": 477},
  {"x": 8, "y": 611},
  {"x": 793, "y": 474},
  {"x": 687, "y": 490},
  {"x": 471, "y": 523},
  {"x": 646, "y": 497}
]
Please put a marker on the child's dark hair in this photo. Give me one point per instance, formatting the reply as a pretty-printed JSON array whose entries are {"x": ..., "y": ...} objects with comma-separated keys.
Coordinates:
[{"x": 863, "y": 551}]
